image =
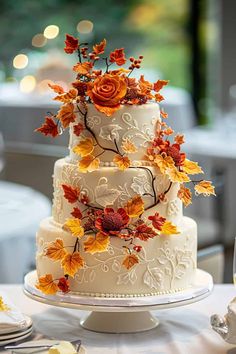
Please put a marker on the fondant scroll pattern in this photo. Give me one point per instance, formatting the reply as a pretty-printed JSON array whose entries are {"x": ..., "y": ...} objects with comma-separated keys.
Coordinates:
[
  {"x": 170, "y": 265},
  {"x": 173, "y": 207},
  {"x": 93, "y": 120},
  {"x": 135, "y": 133},
  {"x": 57, "y": 204}
]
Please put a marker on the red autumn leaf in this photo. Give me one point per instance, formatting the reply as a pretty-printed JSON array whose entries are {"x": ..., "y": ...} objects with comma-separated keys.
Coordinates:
[
  {"x": 71, "y": 44},
  {"x": 159, "y": 85},
  {"x": 157, "y": 221},
  {"x": 76, "y": 213},
  {"x": 49, "y": 127},
  {"x": 144, "y": 232},
  {"x": 118, "y": 57},
  {"x": 71, "y": 194},
  {"x": 78, "y": 128},
  {"x": 63, "y": 285}
]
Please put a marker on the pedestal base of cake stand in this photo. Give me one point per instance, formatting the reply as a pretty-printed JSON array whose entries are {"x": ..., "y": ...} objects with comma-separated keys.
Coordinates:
[
  {"x": 120, "y": 322},
  {"x": 122, "y": 314}
]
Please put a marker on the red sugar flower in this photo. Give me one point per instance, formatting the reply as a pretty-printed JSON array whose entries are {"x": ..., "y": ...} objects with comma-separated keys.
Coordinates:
[{"x": 112, "y": 222}]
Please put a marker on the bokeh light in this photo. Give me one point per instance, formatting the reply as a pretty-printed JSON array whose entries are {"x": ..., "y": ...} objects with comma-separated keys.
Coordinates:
[
  {"x": 39, "y": 40},
  {"x": 85, "y": 26},
  {"x": 20, "y": 61},
  {"x": 51, "y": 31},
  {"x": 27, "y": 84}
]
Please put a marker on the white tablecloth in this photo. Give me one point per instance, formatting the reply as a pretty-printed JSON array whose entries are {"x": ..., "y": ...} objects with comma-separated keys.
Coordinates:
[
  {"x": 21, "y": 210},
  {"x": 182, "y": 330}
]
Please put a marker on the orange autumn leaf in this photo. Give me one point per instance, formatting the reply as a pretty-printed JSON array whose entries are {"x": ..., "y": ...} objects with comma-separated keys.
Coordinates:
[
  {"x": 47, "y": 285},
  {"x": 74, "y": 226},
  {"x": 84, "y": 148},
  {"x": 56, "y": 88},
  {"x": 66, "y": 114},
  {"x": 55, "y": 250},
  {"x": 191, "y": 167},
  {"x": 135, "y": 206},
  {"x": 159, "y": 85},
  {"x": 88, "y": 164},
  {"x": 122, "y": 162},
  {"x": 128, "y": 146},
  {"x": 177, "y": 176},
  {"x": 100, "y": 48},
  {"x": 169, "y": 229},
  {"x": 67, "y": 96},
  {"x": 145, "y": 86},
  {"x": 118, "y": 57},
  {"x": 164, "y": 162},
  {"x": 205, "y": 187},
  {"x": 185, "y": 195},
  {"x": 99, "y": 243},
  {"x": 159, "y": 97},
  {"x": 49, "y": 127},
  {"x": 71, "y": 194},
  {"x": 179, "y": 139},
  {"x": 71, "y": 263},
  {"x": 83, "y": 68},
  {"x": 130, "y": 261},
  {"x": 163, "y": 114},
  {"x": 168, "y": 131}
]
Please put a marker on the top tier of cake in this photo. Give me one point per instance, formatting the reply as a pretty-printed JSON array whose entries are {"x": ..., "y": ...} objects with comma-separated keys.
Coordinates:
[{"x": 135, "y": 122}]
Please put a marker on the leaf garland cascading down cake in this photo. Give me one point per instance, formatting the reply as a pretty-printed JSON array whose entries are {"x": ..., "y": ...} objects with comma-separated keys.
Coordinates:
[{"x": 117, "y": 227}]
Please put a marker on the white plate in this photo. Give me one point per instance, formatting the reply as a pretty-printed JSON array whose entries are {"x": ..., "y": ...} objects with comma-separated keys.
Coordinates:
[
  {"x": 15, "y": 334},
  {"x": 40, "y": 342},
  {"x": 15, "y": 330},
  {"x": 14, "y": 340}
]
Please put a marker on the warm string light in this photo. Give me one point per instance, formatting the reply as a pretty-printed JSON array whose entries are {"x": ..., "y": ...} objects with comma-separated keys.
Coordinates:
[
  {"x": 27, "y": 84},
  {"x": 20, "y": 61},
  {"x": 51, "y": 31},
  {"x": 85, "y": 26},
  {"x": 39, "y": 40}
]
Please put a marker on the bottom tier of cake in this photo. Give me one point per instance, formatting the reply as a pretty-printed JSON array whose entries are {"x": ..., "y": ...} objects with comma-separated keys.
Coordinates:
[{"x": 167, "y": 264}]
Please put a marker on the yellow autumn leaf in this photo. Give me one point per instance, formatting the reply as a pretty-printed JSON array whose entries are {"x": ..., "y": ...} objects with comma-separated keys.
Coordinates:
[
  {"x": 67, "y": 96},
  {"x": 88, "y": 164},
  {"x": 84, "y": 148},
  {"x": 83, "y": 68},
  {"x": 99, "y": 243},
  {"x": 74, "y": 226},
  {"x": 128, "y": 146},
  {"x": 205, "y": 187},
  {"x": 47, "y": 285},
  {"x": 164, "y": 162},
  {"x": 71, "y": 263},
  {"x": 176, "y": 176},
  {"x": 185, "y": 195},
  {"x": 135, "y": 206},
  {"x": 122, "y": 162},
  {"x": 55, "y": 250},
  {"x": 66, "y": 114},
  {"x": 169, "y": 229},
  {"x": 191, "y": 167},
  {"x": 130, "y": 261}
]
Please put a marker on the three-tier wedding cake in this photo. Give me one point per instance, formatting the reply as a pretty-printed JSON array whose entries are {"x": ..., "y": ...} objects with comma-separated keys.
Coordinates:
[{"x": 117, "y": 227}]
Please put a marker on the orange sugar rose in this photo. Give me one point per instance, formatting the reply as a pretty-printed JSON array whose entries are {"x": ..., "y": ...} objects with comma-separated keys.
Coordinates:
[{"x": 107, "y": 92}]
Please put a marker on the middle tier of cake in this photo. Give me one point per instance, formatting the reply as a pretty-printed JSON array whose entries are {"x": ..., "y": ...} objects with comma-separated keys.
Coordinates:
[{"x": 109, "y": 186}]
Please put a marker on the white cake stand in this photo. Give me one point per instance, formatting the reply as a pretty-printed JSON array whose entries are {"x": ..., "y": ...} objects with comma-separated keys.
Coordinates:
[{"x": 123, "y": 314}]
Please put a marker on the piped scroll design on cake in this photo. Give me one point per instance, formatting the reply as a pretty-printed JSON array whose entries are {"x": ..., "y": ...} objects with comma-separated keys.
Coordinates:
[{"x": 144, "y": 135}]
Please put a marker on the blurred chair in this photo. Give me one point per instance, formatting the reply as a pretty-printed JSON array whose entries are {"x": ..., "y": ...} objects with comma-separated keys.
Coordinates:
[{"x": 211, "y": 259}]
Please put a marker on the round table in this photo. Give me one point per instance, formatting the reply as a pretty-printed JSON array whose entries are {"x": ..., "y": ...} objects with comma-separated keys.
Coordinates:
[{"x": 21, "y": 209}]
